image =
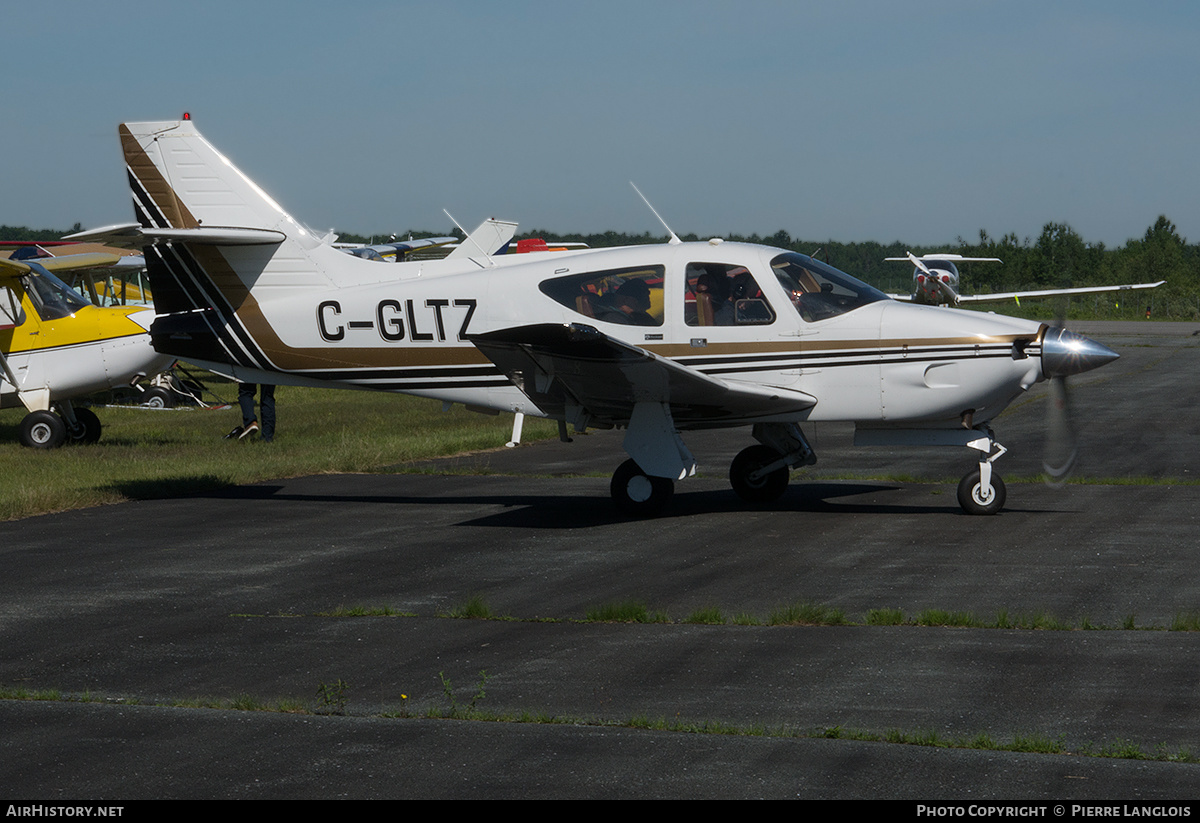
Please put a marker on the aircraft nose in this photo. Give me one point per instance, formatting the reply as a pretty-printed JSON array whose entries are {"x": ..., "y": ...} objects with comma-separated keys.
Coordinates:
[{"x": 1065, "y": 353}]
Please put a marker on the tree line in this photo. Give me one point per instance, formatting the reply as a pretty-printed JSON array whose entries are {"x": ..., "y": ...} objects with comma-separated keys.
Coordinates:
[{"x": 1058, "y": 258}]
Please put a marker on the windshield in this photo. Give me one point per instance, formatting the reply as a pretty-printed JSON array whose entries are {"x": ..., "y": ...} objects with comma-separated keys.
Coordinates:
[
  {"x": 817, "y": 290},
  {"x": 52, "y": 297}
]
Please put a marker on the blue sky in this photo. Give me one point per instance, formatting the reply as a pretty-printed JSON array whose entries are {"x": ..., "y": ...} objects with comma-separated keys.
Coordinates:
[{"x": 919, "y": 121}]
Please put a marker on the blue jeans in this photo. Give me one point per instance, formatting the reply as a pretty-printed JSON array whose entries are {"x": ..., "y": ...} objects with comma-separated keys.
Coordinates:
[{"x": 246, "y": 393}]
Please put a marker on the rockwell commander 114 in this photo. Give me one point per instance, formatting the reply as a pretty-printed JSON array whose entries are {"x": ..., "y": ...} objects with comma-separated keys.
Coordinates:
[{"x": 658, "y": 340}]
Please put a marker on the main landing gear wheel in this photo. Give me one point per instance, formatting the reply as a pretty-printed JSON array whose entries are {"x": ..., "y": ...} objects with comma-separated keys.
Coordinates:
[
  {"x": 43, "y": 430},
  {"x": 974, "y": 500},
  {"x": 89, "y": 427},
  {"x": 637, "y": 493},
  {"x": 763, "y": 489}
]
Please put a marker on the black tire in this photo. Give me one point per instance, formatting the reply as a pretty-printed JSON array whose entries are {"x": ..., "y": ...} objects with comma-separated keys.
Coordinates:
[
  {"x": 973, "y": 502},
  {"x": 89, "y": 427},
  {"x": 43, "y": 430},
  {"x": 768, "y": 487},
  {"x": 637, "y": 493},
  {"x": 156, "y": 397}
]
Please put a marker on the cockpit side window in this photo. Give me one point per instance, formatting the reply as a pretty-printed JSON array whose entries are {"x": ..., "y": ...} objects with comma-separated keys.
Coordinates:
[
  {"x": 630, "y": 297},
  {"x": 719, "y": 294},
  {"x": 818, "y": 291}
]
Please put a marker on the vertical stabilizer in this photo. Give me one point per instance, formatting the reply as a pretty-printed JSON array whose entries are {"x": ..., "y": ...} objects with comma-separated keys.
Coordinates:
[
  {"x": 179, "y": 180},
  {"x": 490, "y": 237},
  {"x": 218, "y": 248}
]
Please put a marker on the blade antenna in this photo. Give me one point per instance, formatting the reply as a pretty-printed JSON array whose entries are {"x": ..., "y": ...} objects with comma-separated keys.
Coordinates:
[
  {"x": 674, "y": 239},
  {"x": 474, "y": 242}
]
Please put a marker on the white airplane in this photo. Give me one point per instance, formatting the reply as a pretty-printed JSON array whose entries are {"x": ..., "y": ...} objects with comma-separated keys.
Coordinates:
[
  {"x": 658, "y": 340},
  {"x": 55, "y": 346},
  {"x": 935, "y": 282}
]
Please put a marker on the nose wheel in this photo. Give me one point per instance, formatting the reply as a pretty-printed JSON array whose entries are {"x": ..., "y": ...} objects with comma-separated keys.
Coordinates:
[
  {"x": 982, "y": 491},
  {"x": 977, "y": 498}
]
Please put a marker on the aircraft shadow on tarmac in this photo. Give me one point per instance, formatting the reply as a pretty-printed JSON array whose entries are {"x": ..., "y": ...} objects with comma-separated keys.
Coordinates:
[{"x": 564, "y": 511}]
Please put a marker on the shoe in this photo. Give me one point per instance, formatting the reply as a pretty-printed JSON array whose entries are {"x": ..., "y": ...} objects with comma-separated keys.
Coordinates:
[
  {"x": 252, "y": 429},
  {"x": 237, "y": 432}
]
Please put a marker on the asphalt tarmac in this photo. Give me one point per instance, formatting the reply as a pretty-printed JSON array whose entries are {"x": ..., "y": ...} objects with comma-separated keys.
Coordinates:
[{"x": 244, "y": 595}]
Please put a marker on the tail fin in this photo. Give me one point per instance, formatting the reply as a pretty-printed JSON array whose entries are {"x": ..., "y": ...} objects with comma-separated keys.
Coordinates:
[
  {"x": 490, "y": 237},
  {"x": 180, "y": 181},
  {"x": 216, "y": 246},
  {"x": 226, "y": 234}
]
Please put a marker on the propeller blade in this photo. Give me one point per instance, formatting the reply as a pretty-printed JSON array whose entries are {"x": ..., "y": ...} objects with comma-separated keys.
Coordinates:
[
  {"x": 1061, "y": 449},
  {"x": 919, "y": 263}
]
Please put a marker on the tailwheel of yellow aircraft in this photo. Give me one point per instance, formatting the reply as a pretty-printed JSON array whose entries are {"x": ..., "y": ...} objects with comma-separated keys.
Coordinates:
[
  {"x": 88, "y": 428},
  {"x": 639, "y": 494},
  {"x": 975, "y": 500},
  {"x": 43, "y": 430},
  {"x": 156, "y": 397},
  {"x": 751, "y": 483}
]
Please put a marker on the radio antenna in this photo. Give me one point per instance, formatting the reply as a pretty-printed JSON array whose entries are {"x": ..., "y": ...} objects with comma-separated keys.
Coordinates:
[{"x": 674, "y": 239}]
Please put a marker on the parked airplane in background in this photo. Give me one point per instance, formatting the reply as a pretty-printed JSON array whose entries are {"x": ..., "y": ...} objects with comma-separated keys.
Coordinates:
[
  {"x": 658, "y": 340},
  {"x": 936, "y": 278},
  {"x": 394, "y": 251},
  {"x": 55, "y": 345}
]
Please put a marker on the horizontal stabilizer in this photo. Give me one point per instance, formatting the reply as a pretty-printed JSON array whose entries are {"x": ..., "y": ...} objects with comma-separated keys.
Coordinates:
[{"x": 131, "y": 235}]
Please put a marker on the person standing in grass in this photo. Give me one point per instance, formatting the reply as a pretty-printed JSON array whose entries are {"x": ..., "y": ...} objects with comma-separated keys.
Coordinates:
[{"x": 250, "y": 426}]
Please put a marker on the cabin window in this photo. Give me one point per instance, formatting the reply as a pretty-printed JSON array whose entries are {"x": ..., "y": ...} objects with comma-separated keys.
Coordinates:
[
  {"x": 719, "y": 294},
  {"x": 630, "y": 297}
]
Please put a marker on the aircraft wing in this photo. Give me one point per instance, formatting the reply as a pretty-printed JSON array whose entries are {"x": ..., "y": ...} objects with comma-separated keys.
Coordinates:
[
  {"x": 401, "y": 247},
  {"x": 1017, "y": 295},
  {"x": 569, "y": 369},
  {"x": 68, "y": 262}
]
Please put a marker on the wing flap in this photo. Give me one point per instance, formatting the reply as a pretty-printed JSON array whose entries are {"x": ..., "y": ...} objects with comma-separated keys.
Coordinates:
[{"x": 565, "y": 369}]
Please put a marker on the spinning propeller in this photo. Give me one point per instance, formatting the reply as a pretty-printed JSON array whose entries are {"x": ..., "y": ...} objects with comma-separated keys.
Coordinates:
[{"x": 1065, "y": 353}]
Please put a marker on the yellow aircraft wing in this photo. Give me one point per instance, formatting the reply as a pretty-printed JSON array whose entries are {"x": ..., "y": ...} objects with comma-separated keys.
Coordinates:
[{"x": 91, "y": 260}]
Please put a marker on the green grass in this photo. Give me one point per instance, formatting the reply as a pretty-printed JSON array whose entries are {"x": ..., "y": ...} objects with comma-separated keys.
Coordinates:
[
  {"x": 475, "y": 608},
  {"x": 626, "y": 611},
  {"x": 146, "y": 454},
  {"x": 806, "y": 614},
  {"x": 710, "y": 616},
  {"x": 797, "y": 614},
  {"x": 331, "y": 702}
]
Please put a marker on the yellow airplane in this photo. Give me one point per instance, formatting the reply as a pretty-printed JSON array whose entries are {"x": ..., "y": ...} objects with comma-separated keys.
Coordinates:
[{"x": 55, "y": 345}]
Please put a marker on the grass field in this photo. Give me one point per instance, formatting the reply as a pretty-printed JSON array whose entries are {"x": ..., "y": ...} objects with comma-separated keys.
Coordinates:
[{"x": 147, "y": 453}]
